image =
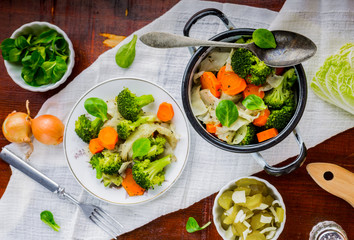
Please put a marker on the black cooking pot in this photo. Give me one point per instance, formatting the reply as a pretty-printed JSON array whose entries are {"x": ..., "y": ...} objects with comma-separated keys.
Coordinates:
[{"x": 301, "y": 95}]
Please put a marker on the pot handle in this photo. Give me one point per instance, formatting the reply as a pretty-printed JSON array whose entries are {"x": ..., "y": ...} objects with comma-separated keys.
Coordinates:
[
  {"x": 278, "y": 171},
  {"x": 201, "y": 14}
]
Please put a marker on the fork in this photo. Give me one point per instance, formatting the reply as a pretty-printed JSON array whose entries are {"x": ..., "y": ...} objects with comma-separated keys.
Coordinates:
[{"x": 97, "y": 215}]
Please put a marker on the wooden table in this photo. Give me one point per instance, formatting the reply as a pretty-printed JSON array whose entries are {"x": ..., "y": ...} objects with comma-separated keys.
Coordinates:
[{"x": 83, "y": 21}]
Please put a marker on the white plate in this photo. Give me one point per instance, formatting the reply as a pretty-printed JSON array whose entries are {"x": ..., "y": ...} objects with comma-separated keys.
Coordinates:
[{"x": 78, "y": 155}]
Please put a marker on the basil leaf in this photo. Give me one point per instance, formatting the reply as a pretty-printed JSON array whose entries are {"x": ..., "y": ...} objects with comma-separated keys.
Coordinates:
[
  {"x": 21, "y": 42},
  {"x": 27, "y": 74},
  {"x": 41, "y": 77},
  {"x": 33, "y": 61},
  {"x": 141, "y": 147},
  {"x": 96, "y": 107},
  {"x": 264, "y": 38},
  {"x": 46, "y": 37},
  {"x": 193, "y": 226},
  {"x": 55, "y": 69},
  {"x": 226, "y": 112},
  {"x": 15, "y": 55},
  {"x": 253, "y": 102},
  {"x": 6, "y": 46},
  {"x": 126, "y": 53}
]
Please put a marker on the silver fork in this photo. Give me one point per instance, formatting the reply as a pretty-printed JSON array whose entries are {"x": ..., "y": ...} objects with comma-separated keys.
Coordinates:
[{"x": 97, "y": 215}]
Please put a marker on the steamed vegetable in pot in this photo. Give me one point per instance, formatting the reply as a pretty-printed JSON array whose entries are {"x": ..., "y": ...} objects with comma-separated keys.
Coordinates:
[{"x": 240, "y": 100}]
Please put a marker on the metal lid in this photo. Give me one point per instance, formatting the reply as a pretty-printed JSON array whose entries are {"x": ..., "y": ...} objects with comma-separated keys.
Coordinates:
[{"x": 328, "y": 230}]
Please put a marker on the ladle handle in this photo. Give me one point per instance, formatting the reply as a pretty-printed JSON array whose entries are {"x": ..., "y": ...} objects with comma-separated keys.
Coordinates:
[
  {"x": 201, "y": 14},
  {"x": 278, "y": 171}
]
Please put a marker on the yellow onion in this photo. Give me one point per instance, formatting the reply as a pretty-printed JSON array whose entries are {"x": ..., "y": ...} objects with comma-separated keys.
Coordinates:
[
  {"x": 48, "y": 129},
  {"x": 17, "y": 127}
]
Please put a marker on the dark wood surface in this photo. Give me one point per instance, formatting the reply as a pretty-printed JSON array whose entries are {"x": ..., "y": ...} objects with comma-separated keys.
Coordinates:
[{"x": 83, "y": 21}]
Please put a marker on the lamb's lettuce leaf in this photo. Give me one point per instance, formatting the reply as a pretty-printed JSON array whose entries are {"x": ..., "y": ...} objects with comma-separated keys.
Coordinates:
[{"x": 334, "y": 81}]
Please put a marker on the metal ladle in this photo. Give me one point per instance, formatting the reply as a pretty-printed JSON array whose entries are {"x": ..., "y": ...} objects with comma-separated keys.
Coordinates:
[{"x": 292, "y": 48}]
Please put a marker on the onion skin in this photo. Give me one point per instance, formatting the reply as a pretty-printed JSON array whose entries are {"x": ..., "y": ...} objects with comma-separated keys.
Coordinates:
[
  {"x": 17, "y": 128},
  {"x": 48, "y": 129}
]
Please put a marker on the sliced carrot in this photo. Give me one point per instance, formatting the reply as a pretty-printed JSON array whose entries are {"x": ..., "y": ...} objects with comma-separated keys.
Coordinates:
[
  {"x": 95, "y": 146},
  {"x": 253, "y": 89},
  {"x": 262, "y": 119},
  {"x": 267, "y": 134},
  {"x": 209, "y": 81},
  {"x": 129, "y": 184},
  {"x": 279, "y": 71},
  {"x": 108, "y": 137},
  {"x": 231, "y": 83},
  {"x": 165, "y": 112},
  {"x": 221, "y": 73},
  {"x": 212, "y": 127}
]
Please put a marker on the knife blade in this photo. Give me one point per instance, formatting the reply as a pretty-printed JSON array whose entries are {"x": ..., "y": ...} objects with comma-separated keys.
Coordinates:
[{"x": 334, "y": 179}]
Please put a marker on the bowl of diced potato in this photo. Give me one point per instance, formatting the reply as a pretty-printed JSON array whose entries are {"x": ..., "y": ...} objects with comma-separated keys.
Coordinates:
[{"x": 249, "y": 208}]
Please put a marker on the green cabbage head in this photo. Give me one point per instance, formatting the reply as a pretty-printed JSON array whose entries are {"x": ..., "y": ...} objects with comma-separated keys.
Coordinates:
[{"x": 334, "y": 81}]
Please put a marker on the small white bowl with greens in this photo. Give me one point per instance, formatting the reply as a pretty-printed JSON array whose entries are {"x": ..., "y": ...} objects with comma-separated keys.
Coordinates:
[
  {"x": 249, "y": 208},
  {"x": 38, "y": 56}
]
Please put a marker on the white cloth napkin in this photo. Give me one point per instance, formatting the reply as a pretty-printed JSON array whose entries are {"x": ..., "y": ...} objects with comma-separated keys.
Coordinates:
[{"x": 329, "y": 24}]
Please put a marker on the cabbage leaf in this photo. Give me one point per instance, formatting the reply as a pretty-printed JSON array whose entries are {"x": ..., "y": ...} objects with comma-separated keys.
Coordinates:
[{"x": 334, "y": 81}]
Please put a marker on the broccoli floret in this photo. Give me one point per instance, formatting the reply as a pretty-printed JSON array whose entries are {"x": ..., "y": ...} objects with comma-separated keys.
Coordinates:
[
  {"x": 126, "y": 127},
  {"x": 276, "y": 97},
  {"x": 87, "y": 129},
  {"x": 129, "y": 105},
  {"x": 250, "y": 135},
  {"x": 112, "y": 180},
  {"x": 106, "y": 162},
  {"x": 147, "y": 174},
  {"x": 157, "y": 147},
  {"x": 259, "y": 73},
  {"x": 249, "y": 67},
  {"x": 241, "y": 62},
  {"x": 280, "y": 118}
]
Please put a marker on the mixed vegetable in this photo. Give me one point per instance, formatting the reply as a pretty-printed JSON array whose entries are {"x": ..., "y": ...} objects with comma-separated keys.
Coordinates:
[
  {"x": 241, "y": 100},
  {"x": 249, "y": 211},
  {"x": 129, "y": 147}
]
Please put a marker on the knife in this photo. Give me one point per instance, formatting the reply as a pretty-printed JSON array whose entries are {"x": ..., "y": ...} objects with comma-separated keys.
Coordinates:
[{"x": 334, "y": 179}]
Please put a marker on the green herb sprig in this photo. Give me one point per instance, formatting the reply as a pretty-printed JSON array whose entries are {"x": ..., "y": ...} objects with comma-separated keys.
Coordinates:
[
  {"x": 126, "y": 53},
  {"x": 96, "y": 107},
  {"x": 47, "y": 218},
  {"x": 193, "y": 226},
  {"x": 226, "y": 112},
  {"x": 264, "y": 38},
  {"x": 43, "y": 57},
  {"x": 253, "y": 102}
]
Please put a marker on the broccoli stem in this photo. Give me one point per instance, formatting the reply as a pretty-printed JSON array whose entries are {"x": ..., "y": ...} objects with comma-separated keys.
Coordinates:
[
  {"x": 144, "y": 100},
  {"x": 157, "y": 166}
]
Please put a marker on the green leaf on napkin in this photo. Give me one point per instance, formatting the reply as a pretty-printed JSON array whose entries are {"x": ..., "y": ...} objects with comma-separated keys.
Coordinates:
[
  {"x": 193, "y": 226},
  {"x": 126, "y": 53},
  {"x": 47, "y": 218}
]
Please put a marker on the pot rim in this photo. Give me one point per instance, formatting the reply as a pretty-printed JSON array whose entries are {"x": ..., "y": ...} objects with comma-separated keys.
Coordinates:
[{"x": 186, "y": 87}]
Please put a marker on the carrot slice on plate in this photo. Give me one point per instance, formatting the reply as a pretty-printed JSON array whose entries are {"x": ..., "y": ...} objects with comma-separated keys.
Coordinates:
[
  {"x": 129, "y": 184},
  {"x": 165, "y": 112},
  {"x": 108, "y": 137}
]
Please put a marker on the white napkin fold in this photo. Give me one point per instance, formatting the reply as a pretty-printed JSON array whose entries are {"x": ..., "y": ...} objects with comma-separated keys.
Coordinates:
[{"x": 208, "y": 168}]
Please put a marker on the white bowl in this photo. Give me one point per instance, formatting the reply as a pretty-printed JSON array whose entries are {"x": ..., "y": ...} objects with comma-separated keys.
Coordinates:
[
  {"x": 217, "y": 210},
  {"x": 14, "y": 70},
  {"x": 78, "y": 156}
]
